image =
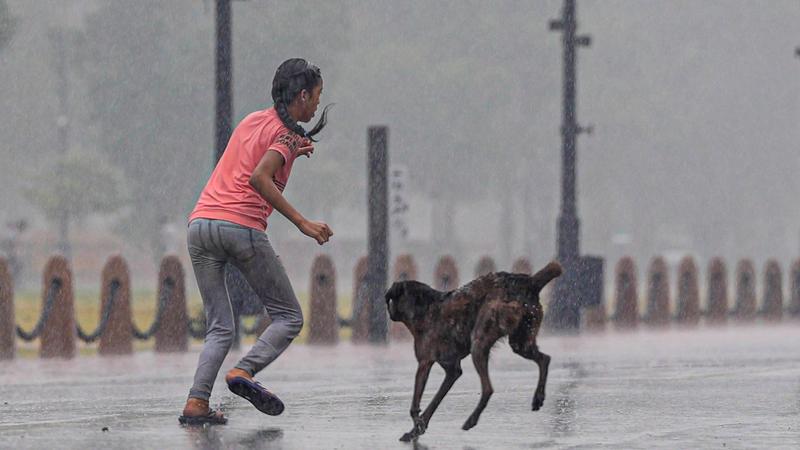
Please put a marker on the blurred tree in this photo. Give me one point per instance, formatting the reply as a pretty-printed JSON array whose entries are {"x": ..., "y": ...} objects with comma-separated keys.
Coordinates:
[
  {"x": 7, "y": 24},
  {"x": 80, "y": 183}
]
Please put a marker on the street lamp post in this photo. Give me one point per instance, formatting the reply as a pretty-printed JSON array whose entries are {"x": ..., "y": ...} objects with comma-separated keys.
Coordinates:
[{"x": 564, "y": 311}]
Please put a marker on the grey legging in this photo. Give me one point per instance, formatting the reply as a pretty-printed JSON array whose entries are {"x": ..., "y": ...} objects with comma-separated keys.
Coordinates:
[{"x": 212, "y": 243}]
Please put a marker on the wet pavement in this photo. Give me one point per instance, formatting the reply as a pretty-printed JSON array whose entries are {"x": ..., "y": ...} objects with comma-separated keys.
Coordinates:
[{"x": 725, "y": 388}]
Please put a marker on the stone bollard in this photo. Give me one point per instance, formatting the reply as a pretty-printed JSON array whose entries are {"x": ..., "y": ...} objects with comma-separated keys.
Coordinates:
[
  {"x": 688, "y": 304},
  {"x": 117, "y": 338},
  {"x": 626, "y": 313},
  {"x": 323, "y": 326},
  {"x": 361, "y": 307},
  {"x": 7, "y": 320},
  {"x": 717, "y": 312},
  {"x": 658, "y": 313},
  {"x": 794, "y": 301},
  {"x": 745, "y": 291},
  {"x": 59, "y": 333},
  {"x": 445, "y": 275},
  {"x": 404, "y": 269},
  {"x": 522, "y": 265},
  {"x": 594, "y": 317},
  {"x": 172, "y": 334},
  {"x": 773, "y": 292},
  {"x": 485, "y": 266}
]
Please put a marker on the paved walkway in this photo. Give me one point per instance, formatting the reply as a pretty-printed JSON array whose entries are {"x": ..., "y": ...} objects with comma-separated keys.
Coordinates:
[{"x": 726, "y": 388}]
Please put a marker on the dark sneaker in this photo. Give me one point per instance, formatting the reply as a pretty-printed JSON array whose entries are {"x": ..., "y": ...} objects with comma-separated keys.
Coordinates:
[{"x": 264, "y": 400}]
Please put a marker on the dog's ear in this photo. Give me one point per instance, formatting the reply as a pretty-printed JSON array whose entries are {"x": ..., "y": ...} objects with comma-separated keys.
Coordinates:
[{"x": 544, "y": 276}]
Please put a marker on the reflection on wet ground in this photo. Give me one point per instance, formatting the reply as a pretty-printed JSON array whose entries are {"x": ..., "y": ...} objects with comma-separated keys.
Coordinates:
[
  {"x": 214, "y": 438},
  {"x": 565, "y": 408},
  {"x": 721, "y": 388}
]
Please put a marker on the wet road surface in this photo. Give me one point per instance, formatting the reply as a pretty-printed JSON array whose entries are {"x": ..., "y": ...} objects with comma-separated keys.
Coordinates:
[{"x": 724, "y": 388}]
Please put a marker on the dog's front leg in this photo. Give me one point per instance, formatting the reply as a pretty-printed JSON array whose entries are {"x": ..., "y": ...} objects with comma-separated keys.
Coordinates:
[
  {"x": 423, "y": 370},
  {"x": 452, "y": 373}
]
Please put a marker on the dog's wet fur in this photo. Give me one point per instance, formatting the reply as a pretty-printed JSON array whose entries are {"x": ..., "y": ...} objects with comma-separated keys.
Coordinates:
[{"x": 448, "y": 326}]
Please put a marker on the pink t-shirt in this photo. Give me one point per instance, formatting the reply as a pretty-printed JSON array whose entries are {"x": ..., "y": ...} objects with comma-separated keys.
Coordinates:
[{"x": 228, "y": 194}]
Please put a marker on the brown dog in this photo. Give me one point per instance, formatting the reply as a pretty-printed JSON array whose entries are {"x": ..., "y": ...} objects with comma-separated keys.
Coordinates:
[{"x": 448, "y": 326}]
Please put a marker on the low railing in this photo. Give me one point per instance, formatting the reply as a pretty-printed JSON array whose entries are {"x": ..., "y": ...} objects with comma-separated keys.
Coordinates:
[{"x": 57, "y": 329}]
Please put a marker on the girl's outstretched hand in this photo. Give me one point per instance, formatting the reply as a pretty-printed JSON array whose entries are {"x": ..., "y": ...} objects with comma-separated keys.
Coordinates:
[{"x": 320, "y": 231}]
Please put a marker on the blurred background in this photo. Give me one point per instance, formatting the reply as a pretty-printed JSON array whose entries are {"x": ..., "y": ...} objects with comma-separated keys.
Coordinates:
[{"x": 108, "y": 108}]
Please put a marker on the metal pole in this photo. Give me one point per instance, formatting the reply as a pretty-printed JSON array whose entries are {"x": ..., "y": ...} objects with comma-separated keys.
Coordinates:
[
  {"x": 568, "y": 225},
  {"x": 224, "y": 78},
  {"x": 378, "y": 230},
  {"x": 564, "y": 309}
]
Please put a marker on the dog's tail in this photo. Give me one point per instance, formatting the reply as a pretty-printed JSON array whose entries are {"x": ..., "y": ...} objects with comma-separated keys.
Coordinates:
[{"x": 547, "y": 274}]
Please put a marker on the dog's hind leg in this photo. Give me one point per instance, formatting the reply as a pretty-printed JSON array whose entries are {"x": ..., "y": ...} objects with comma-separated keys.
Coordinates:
[
  {"x": 543, "y": 361},
  {"x": 452, "y": 372},
  {"x": 523, "y": 343},
  {"x": 423, "y": 370}
]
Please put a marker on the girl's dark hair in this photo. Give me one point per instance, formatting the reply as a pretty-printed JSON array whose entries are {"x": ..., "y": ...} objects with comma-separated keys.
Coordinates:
[{"x": 292, "y": 76}]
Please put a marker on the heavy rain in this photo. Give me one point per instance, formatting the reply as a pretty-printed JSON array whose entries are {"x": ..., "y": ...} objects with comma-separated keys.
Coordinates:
[{"x": 651, "y": 148}]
